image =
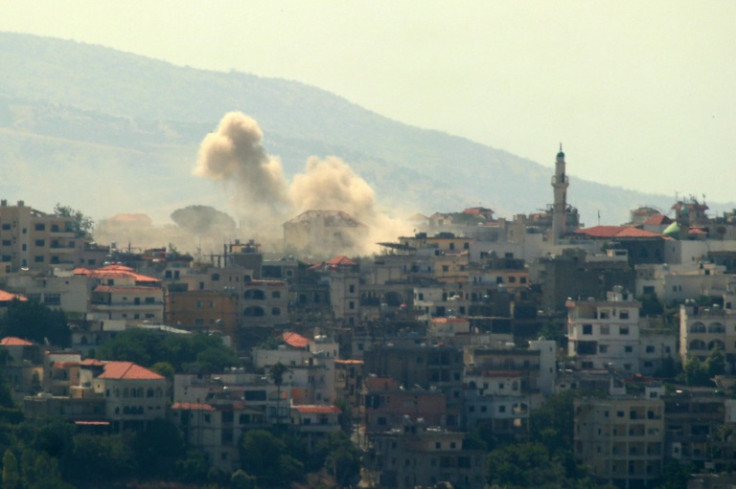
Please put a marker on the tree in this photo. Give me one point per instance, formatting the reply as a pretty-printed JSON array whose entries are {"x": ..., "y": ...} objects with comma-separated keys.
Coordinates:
[
  {"x": 341, "y": 457},
  {"x": 36, "y": 322},
  {"x": 696, "y": 372},
  {"x": 266, "y": 457},
  {"x": 81, "y": 225},
  {"x": 157, "y": 448},
  {"x": 11, "y": 474},
  {"x": 165, "y": 369},
  {"x": 552, "y": 423},
  {"x": 242, "y": 480},
  {"x": 525, "y": 465},
  {"x": 277, "y": 372},
  {"x": 715, "y": 364}
]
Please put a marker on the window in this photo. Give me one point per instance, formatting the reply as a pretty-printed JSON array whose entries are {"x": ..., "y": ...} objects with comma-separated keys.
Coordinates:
[
  {"x": 38, "y": 259},
  {"x": 277, "y": 295},
  {"x": 501, "y": 409},
  {"x": 52, "y": 299},
  {"x": 40, "y": 242},
  {"x": 623, "y": 330},
  {"x": 6, "y": 242},
  {"x": 605, "y": 329},
  {"x": 6, "y": 227},
  {"x": 650, "y": 349},
  {"x": 150, "y": 300},
  {"x": 602, "y": 348},
  {"x": 624, "y": 315},
  {"x": 587, "y": 329},
  {"x": 40, "y": 227},
  {"x": 276, "y": 311},
  {"x": 628, "y": 348}
]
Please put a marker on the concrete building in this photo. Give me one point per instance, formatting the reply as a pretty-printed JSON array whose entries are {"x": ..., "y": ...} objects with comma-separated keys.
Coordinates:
[
  {"x": 621, "y": 440},
  {"x": 325, "y": 233},
  {"x": 704, "y": 329},
  {"x": 33, "y": 239},
  {"x": 59, "y": 289},
  {"x": 134, "y": 396},
  {"x": 203, "y": 311},
  {"x": 605, "y": 334},
  {"x": 421, "y": 456}
]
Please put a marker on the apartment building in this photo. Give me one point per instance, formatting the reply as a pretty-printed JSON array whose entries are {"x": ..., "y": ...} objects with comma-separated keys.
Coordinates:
[
  {"x": 621, "y": 440},
  {"x": 33, "y": 239},
  {"x": 704, "y": 329},
  {"x": 604, "y": 334},
  {"x": 418, "y": 455}
]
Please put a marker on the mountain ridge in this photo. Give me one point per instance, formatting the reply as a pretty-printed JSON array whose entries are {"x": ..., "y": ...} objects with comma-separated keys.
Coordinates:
[{"x": 76, "y": 91}]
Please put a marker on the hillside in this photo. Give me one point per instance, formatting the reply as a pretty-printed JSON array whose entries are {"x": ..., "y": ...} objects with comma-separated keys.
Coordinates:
[{"x": 110, "y": 132}]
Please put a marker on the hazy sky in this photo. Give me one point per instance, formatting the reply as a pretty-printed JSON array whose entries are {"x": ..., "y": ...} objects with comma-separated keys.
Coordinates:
[{"x": 641, "y": 93}]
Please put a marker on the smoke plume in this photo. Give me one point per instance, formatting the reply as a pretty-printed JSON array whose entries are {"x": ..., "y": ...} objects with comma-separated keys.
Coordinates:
[{"x": 235, "y": 156}]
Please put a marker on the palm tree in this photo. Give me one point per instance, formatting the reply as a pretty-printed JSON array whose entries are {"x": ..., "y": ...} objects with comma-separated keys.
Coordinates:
[{"x": 276, "y": 372}]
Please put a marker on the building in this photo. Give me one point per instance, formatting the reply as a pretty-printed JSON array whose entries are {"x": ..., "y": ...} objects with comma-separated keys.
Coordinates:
[
  {"x": 33, "y": 239},
  {"x": 417, "y": 455},
  {"x": 203, "y": 311},
  {"x": 705, "y": 329},
  {"x": 605, "y": 334},
  {"x": 324, "y": 233},
  {"x": 134, "y": 396},
  {"x": 621, "y": 440}
]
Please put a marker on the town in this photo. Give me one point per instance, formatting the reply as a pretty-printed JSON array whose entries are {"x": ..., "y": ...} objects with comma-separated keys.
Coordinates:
[{"x": 478, "y": 351}]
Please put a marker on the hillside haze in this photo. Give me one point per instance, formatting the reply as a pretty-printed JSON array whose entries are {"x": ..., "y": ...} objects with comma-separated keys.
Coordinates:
[{"x": 109, "y": 132}]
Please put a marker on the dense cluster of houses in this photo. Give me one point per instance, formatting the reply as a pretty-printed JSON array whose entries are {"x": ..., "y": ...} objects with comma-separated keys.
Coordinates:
[{"x": 471, "y": 321}]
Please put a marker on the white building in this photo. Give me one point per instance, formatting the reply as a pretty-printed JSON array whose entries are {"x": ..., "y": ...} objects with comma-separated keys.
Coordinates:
[{"x": 604, "y": 334}]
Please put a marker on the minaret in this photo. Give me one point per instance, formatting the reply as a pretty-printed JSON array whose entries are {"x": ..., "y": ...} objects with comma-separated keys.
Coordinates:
[{"x": 559, "y": 208}]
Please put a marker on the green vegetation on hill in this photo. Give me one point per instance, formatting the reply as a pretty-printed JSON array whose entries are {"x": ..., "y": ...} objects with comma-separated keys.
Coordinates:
[{"x": 184, "y": 353}]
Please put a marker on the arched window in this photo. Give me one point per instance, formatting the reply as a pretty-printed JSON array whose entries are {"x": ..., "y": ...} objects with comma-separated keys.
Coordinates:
[
  {"x": 716, "y": 328},
  {"x": 697, "y": 327},
  {"x": 697, "y": 345},
  {"x": 716, "y": 344},
  {"x": 276, "y": 311},
  {"x": 276, "y": 294}
]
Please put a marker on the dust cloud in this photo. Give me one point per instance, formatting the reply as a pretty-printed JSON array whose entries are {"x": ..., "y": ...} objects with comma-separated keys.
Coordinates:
[{"x": 235, "y": 156}]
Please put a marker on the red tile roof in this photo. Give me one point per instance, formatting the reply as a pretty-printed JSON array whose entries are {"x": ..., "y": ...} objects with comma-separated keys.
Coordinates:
[
  {"x": 128, "y": 371},
  {"x": 317, "y": 409},
  {"x": 616, "y": 232},
  {"x": 15, "y": 341},
  {"x": 192, "y": 406},
  {"x": 342, "y": 261},
  {"x": 92, "y": 361},
  {"x": 449, "y": 320},
  {"x": 694, "y": 230},
  {"x": 112, "y": 271},
  {"x": 658, "y": 220},
  {"x": 9, "y": 296},
  {"x": 295, "y": 340}
]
